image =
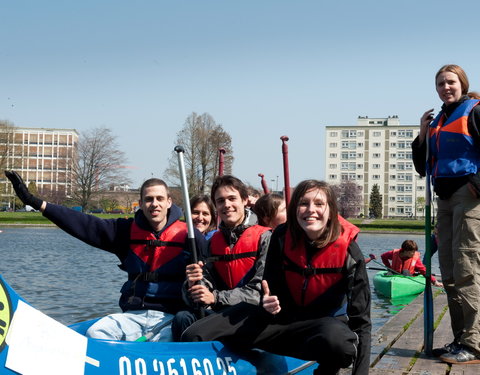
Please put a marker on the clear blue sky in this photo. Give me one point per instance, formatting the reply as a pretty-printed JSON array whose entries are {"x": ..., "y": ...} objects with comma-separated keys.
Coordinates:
[{"x": 262, "y": 69}]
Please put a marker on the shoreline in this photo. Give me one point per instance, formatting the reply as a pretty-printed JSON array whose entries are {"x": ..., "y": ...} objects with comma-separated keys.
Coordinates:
[{"x": 361, "y": 230}]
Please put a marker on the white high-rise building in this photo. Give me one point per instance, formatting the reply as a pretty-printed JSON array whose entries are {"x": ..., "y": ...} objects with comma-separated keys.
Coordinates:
[{"x": 377, "y": 151}]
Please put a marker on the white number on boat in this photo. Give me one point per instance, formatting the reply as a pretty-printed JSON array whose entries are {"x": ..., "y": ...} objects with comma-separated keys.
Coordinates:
[{"x": 174, "y": 367}]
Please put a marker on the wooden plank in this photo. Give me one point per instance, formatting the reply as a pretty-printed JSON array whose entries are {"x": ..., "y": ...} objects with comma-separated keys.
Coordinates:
[
  {"x": 384, "y": 337},
  {"x": 401, "y": 354},
  {"x": 442, "y": 335}
]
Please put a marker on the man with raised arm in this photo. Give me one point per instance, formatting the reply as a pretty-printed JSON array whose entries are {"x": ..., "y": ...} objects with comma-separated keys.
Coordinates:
[{"x": 152, "y": 248}]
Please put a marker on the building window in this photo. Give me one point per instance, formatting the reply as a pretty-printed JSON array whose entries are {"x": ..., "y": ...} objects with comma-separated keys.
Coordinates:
[
  {"x": 349, "y": 133},
  {"x": 333, "y": 134},
  {"x": 332, "y": 177},
  {"x": 376, "y": 144},
  {"x": 393, "y": 144},
  {"x": 333, "y": 155},
  {"x": 360, "y": 134},
  {"x": 377, "y": 134},
  {"x": 376, "y": 155},
  {"x": 376, "y": 177},
  {"x": 359, "y": 166},
  {"x": 332, "y": 166},
  {"x": 376, "y": 166},
  {"x": 393, "y": 134},
  {"x": 333, "y": 144}
]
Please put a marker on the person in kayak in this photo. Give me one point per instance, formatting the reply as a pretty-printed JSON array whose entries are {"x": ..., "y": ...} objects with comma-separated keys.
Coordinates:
[
  {"x": 406, "y": 261},
  {"x": 271, "y": 210},
  {"x": 204, "y": 217},
  {"x": 453, "y": 162},
  {"x": 316, "y": 293},
  {"x": 233, "y": 271},
  {"x": 152, "y": 248}
]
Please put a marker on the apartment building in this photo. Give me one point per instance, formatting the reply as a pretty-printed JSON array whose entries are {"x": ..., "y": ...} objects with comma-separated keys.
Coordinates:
[
  {"x": 42, "y": 155},
  {"x": 377, "y": 151}
]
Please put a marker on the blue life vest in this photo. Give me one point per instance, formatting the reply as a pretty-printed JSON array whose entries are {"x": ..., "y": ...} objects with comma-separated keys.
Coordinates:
[{"x": 453, "y": 152}]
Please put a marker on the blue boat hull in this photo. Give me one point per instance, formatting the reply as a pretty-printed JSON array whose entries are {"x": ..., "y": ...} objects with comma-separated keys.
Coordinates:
[{"x": 104, "y": 357}]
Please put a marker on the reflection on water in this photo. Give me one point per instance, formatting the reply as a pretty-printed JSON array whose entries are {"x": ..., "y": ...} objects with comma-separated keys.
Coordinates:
[{"x": 71, "y": 281}]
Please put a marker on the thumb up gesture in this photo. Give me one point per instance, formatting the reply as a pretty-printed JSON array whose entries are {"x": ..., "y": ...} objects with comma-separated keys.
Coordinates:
[{"x": 270, "y": 303}]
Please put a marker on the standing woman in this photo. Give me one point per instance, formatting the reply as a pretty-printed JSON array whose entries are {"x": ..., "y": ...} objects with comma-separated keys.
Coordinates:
[
  {"x": 453, "y": 162},
  {"x": 316, "y": 295},
  {"x": 203, "y": 215}
]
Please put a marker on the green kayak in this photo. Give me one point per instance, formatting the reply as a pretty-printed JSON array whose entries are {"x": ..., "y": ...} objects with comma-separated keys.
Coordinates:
[{"x": 394, "y": 286}]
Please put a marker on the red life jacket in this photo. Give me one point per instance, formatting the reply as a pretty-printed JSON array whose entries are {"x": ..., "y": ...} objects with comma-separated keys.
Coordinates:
[
  {"x": 155, "y": 252},
  {"x": 308, "y": 280},
  {"x": 399, "y": 265},
  {"x": 232, "y": 264}
]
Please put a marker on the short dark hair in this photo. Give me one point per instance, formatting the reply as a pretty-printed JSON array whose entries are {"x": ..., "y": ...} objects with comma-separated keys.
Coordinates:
[
  {"x": 409, "y": 245},
  {"x": 202, "y": 198},
  {"x": 229, "y": 180},
  {"x": 267, "y": 206},
  {"x": 333, "y": 229},
  {"x": 153, "y": 182}
]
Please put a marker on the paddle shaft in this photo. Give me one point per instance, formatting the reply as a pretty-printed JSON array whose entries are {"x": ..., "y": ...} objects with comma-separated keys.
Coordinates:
[
  {"x": 286, "y": 172},
  {"x": 389, "y": 269},
  {"x": 428, "y": 296},
  {"x": 188, "y": 216}
]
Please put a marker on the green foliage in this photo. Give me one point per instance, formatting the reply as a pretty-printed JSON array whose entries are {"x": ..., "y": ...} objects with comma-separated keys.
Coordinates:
[{"x": 375, "y": 202}]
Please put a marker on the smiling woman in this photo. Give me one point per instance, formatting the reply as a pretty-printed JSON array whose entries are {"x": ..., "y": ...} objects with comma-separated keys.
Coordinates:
[{"x": 316, "y": 295}]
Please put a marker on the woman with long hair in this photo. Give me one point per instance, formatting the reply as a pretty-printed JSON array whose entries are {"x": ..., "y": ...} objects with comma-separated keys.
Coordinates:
[{"x": 316, "y": 295}]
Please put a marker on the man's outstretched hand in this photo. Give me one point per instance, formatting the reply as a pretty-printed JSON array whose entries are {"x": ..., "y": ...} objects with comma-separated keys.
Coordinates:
[{"x": 22, "y": 191}]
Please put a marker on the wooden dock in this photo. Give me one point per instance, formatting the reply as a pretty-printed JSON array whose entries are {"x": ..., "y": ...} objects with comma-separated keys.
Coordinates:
[{"x": 397, "y": 347}]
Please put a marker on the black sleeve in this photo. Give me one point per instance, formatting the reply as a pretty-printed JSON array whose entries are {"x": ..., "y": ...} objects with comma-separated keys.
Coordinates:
[
  {"x": 106, "y": 234},
  {"x": 419, "y": 155},
  {"x": 359, "y": 309},
  {"x": 474, "y": 124}
]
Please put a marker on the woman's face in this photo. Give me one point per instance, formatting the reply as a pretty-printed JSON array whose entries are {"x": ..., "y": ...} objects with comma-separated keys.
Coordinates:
[
  {"x": 449, "y": 88},
  {"x": 313, "y": 213},
  {"x": 201, "y": 217}
]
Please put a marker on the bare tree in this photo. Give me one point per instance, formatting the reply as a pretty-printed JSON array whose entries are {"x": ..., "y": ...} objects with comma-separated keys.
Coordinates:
[
  {"x": 201, "y": 138},
  {"x": 99, "y": 163},
  {"x": 349, "y": 197}
]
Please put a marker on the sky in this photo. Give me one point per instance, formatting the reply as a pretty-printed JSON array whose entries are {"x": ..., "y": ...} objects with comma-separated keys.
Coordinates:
[{"x": 261, "y": 69}]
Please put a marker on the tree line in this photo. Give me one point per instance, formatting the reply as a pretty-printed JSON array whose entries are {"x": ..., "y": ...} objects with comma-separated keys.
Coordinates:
[{"x": 100, "y": 163}]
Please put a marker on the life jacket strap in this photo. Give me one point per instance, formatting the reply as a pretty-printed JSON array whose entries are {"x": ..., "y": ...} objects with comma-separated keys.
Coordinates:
[
  {"x": 231, "y": 257},
  {"x": 157, "y": 243},
  {"x": 309, "y": 270},
  {"x": 154, "y": 277}
]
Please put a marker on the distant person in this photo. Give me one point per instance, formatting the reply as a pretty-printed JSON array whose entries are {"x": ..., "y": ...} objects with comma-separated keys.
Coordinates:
[
  {"x": 233, "y": 271},
  {"x": 271, "y": 210},
  {"x": 406, "y": 261},
  {"x": 253, "y": 195},
  {"x": 204, "y": 217},
  {"x": 151, "y": 247},
  {"x": 316, "y": 294},
  {"x": 453, "y": 161}
]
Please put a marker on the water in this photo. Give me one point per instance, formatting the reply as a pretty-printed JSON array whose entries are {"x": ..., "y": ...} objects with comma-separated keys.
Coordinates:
[{"x": 71, "y": 281}]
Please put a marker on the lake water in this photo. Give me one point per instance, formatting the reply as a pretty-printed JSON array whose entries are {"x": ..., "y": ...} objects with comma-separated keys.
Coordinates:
[{"x": 71, "y": 281}]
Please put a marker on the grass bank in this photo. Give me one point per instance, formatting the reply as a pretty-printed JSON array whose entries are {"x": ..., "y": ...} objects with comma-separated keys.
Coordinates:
[
  {"x": 376, "y": 225},
  {"x": 36, "y": 218},
  {"x": 387, "y": 225}
]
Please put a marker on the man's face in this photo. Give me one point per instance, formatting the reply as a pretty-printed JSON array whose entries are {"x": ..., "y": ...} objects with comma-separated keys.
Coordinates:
[
  {"x": 404, "y": 255},
  {"x": 154, "y": 205},
  {"x": 230, "y": 206}
]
